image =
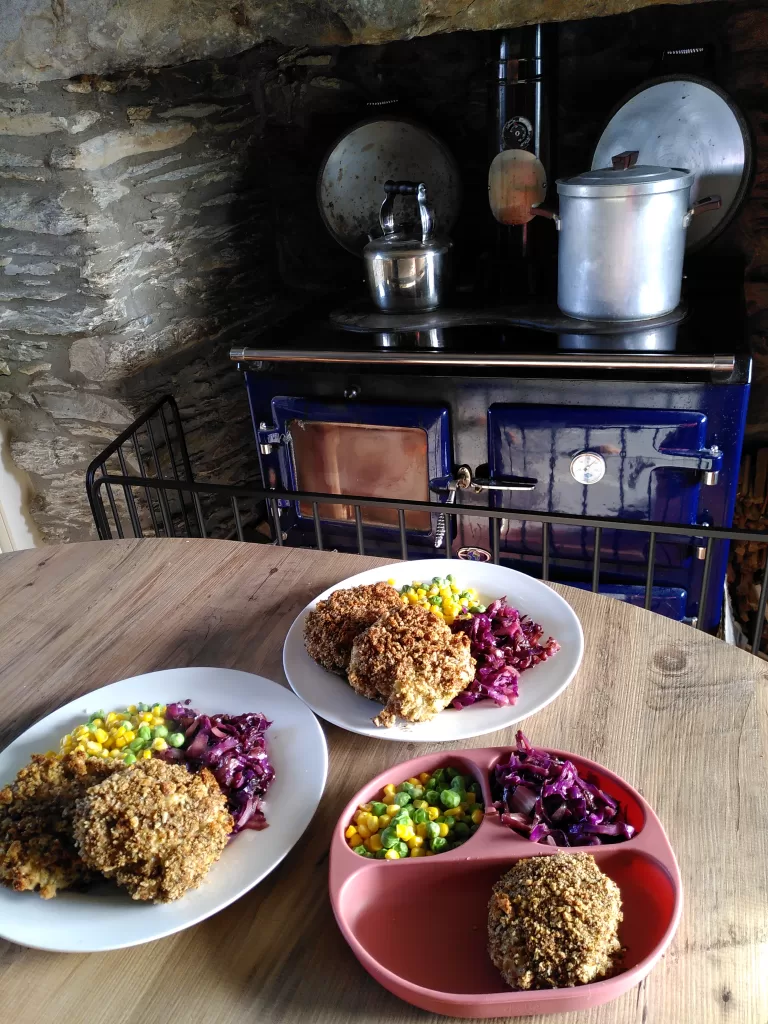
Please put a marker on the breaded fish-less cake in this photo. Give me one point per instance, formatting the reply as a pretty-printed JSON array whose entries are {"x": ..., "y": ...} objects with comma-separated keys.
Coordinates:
[
  {"x": 37, "y": 849},
  {"x": 156, "y": 828},
  {"x": 553, "y": 922},
  {"x": 412, "y": 662},
  {"x": 331, "y": 627}
]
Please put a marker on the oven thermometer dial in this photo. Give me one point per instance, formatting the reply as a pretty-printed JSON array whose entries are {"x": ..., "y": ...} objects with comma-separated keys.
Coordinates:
[{"x": 588, "y": 467}]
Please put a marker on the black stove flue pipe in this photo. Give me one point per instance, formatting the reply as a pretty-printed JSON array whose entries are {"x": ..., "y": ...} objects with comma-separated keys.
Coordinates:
[{"x": 522, "y": 109}]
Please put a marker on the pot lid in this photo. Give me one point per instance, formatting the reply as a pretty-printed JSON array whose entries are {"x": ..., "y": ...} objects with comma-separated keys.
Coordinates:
[
  {"x": 686, "y": 122},
  {"x": 403, "y": 246},
  {"x": 631, "y": 181},
  {"x": 352, "y": 175}
]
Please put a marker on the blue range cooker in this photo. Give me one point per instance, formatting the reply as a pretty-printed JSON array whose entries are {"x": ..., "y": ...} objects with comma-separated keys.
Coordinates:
[{"x": 643, "y": 424}]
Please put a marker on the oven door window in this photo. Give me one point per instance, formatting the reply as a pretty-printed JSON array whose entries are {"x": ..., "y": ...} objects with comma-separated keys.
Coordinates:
[
  {"x": 365, "y": 459},
  {"x": 372, "y": 451}
]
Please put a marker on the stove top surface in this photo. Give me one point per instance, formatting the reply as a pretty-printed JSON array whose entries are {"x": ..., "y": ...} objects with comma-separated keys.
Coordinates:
[{"x": 707, "y": 336}]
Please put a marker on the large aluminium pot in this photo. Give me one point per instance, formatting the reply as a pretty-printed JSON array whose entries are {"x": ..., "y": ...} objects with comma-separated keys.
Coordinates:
[{"x": 622, "y": 240}]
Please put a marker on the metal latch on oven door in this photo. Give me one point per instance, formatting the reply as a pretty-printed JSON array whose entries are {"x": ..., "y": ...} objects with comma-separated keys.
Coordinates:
[
  {"x": 465, "y": 480},
  {"x": 270, "y": 442},
  {"x": 708, "y": 461}
]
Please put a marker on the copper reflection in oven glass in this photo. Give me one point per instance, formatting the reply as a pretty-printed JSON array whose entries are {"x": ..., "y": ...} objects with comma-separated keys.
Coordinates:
[{"x": 366, "y": 459}]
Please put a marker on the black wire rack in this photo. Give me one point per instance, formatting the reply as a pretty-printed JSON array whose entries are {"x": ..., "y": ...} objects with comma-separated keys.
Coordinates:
[{"x": 147, "y": 479}]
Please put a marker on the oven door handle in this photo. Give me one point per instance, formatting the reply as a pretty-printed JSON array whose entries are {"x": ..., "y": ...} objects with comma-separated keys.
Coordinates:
[
  {"x": 465, "y": 480},
  {"x": 708, "y": 461},
  {"x": 511, "y": 483}
]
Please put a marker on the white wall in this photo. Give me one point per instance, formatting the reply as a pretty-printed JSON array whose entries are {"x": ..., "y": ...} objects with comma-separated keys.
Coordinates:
[{"x": 17, "y": 530}]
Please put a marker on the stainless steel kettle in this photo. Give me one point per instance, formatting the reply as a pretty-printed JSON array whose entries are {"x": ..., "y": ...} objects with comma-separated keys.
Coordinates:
[{"x": 407, "y": 274}]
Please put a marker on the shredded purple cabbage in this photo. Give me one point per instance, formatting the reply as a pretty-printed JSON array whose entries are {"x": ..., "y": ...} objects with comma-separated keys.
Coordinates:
[
  {"x": 504, "y": 644},
  {"x": 234, "y": 749},
  {"x": 546, "y": 800}
]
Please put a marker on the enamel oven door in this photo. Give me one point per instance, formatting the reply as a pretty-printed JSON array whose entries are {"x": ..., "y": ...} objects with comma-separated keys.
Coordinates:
[
  {"x": 378, "y": 451},
  {"x": 643, "y": 464}
]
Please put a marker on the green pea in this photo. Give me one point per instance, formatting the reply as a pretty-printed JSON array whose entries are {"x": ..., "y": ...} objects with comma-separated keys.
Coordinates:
[
  {"x": 403, "y": 798},
  {"x": 378, "y": 808},
  {"x": 436, "y": 600},
  {"x": 137, "y": 744},
  {"x": 432, "y": 797},
  {"x": 473, "y": 828},
  {"x": 451, "y": 578},
  {"x": 452, "y": 772},
  {"x": 437, "y": 580},
  {"x": 389, "y": 838},
  {"x": 450, "y": 798},
  {"x": 420, "y": 816},
  {"x": 129, "y": 758},
  {"x": 97, "y": 714},
  {"x": 474, "y": 787},
  {"x": 402, "y": 848},
  {"x": 461, "y": 829},
  {"x": 479, "y": 608},
  {"x": 403, "y": 818},
  {"x": 381, "y": 854},
  {"x": 439, "y": 845},
  {"x": 457, "y": 783},
  {"x": 360, "y": 850},
  {"x": 433, "y": 830},
  {"x": 438, "y": 775},
  {"x": 432, "y": 783},
  {"x": 159, "y": 732},
  {"x": 176, "y": 739},
  {"x": 145, "y": 732},
  {"x": 404, "y": 787},
  {"x": 142, "y": 707}
]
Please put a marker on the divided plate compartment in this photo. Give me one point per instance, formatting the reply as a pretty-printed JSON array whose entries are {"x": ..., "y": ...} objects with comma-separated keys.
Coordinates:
[{"x": 391, "y": 912}]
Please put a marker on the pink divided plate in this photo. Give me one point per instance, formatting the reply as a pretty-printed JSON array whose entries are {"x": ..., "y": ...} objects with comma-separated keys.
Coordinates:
[{"x": 419, "y": 926}]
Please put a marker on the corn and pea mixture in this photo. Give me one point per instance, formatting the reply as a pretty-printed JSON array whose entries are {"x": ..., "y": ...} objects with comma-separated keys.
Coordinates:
[
  {"x": 422, "y": 816},
  {"x": 136, "y": 732},
  {"x": 442, "y": 596}
]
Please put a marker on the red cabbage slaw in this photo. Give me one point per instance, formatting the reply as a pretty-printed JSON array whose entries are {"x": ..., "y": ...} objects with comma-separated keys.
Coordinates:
[
  {"x": 234, "y": 749},
  {"x": 545, "y": 799},
  {"x": 504, "y": 644}
]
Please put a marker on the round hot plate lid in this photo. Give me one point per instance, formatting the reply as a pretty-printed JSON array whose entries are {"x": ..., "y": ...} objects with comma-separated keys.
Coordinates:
[
  {"x": 688, "y": 123},
  {"x": 350, "y": 185}
]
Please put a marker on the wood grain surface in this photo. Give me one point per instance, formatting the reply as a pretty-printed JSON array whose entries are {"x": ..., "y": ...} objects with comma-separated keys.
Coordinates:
[{"x": 678, "y": 714}]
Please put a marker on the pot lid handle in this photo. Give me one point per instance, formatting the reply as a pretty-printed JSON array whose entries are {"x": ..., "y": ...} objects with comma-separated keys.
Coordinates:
[
  {"x": 707, "y": 203},
  {"x": 405, "y": 188},
  {"x": 623, "y": 161}
]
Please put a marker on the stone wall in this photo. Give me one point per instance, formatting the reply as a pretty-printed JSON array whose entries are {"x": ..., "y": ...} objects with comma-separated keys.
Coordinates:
[
  {"x": 131, "y": 227},
  {"x": 150, "y": 219},
  {"x": 40, "y": 40}
]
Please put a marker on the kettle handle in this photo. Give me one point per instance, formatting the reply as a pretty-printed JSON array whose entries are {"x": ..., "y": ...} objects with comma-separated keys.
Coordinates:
[{"x": 406, "y": 188}]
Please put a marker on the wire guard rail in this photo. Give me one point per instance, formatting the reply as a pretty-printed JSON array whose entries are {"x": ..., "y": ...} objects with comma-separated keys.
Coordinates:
[{"x": 169, "y": 503}]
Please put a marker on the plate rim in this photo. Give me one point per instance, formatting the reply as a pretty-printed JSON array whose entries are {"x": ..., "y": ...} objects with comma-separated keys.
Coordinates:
[
  {"x": 401, "y": 736},
  {"x": 163, "y": 933}
]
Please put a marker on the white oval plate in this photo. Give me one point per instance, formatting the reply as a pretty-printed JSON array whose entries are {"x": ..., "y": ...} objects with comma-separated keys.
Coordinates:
[
  {"x": 334, "y": 700},
  {"x": 106, "y": 917}
]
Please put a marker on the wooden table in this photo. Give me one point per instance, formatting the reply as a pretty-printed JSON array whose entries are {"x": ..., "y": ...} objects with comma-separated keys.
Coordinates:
[{"x": 678, "y": 714}]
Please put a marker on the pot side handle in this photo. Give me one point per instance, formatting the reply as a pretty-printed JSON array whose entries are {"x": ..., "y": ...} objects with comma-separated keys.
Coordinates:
[
  {"x": 538, "y": 211},
  {"x": 705, "y": 205}
]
